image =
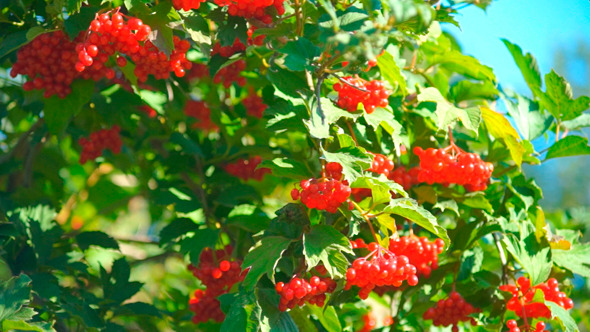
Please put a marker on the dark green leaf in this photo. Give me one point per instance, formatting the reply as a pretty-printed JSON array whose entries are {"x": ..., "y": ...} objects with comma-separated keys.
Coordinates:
[
  {"x": 300, "y": 54},
  {"x": 467, "y": 90},
  {"x": 448, "y": 113},
  {"x": 531, "y": 123},
  {"x": 322, "y": 242},
  {"x": 96, "y": 238},
  {"x": 201, "y": 239},
  {"x": 560, "y": 101},
  {"x": 137, "y": 308},
  {"x": 176, "y": 229},
  {"x": 59, "y": 112},
  {"x": 263, "y": 259},
  {"x": 391, "y": 72},
  {"x": 527, "y": 65},
  {"x": 284, "y": 167},
  {"x": 535, "y": 259},
  {"x": 14, "y": 294},
  {"x": 353, "y": 161}
]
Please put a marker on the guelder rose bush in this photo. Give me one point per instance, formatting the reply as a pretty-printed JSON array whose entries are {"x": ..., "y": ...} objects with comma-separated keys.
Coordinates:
[{"x": 277, "y": 166}]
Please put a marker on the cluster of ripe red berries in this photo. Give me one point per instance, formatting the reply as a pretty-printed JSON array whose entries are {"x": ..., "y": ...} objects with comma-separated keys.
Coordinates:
[
  {"x": 254, "y": 105},
  {"x": 512, "y": 325},
  {"x": 450, "y": 311},
  {"x": 256, "y": 9},
  {"x": 407, "y": 178},
  {"x": 232, "y": 72},
  {"x": 187, "y": 5},
  {"x": 110, "y": 34},
  {"x": 299, "y": 291},
  {"x": 201, "y": 112},
  {"x": 246, "y": 169},
  {"x": 381, "y": 165},
  {"x": 218, "y": 272},
  {"x": 522, "y": 298},
  {"x": 380, "y": 267},
  {"x": 326, "y": 193},
  {"x": 453, "y": 165},
  {"x": 99, "y": 140},
  {"x": 371, "y": 94},
  {"x": 49, "y": 62},
  {"x": 421, "y": 252}
]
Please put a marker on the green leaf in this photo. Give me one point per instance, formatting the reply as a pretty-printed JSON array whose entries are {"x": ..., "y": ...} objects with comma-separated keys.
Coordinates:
[
  {"x": 391, "y": 72},
  {"x": 569, "y": 146},
  {"x": 177, "y": 228},
  {"x": 137, "y": 308},
  {"x": 286, "y": 168},
  {"x": 535, "y": 259},
  {"x": 463, "y": 64},
  {"x": 188, "y": 145},
  {"x": 531, "y": 123},
  {"x": 300, "y": 54},
  {"x": 409, "y": 209},
  {"x": 353, "y": 160},
  {"x": 560, "y": 102},
  {"x": 576, "y": 259},
  {"x": 468, "y": 90},
  {"x": 447, "y": 205},
  {"x": 471, "y": 262},
  {"x": 448, "y": 113},
  {"x": 15, "y": 293},
  {"x": 201, "y": 239},
  {"x": 322, "y": 242},
  {"x": 248, "y": 217},
  {"x": 96, "y": 238},
  {"x": 272, "y": 319},
  {"x": 243, "y": 313},
  {"x": 59, "y": 112},
  {"x": 327, "y": 317},
  {"x": 527, "y": 65},
  {"x": 334, "y": 113},
  {"x": 13, "y": 325},
  {"x": 501, "y": 128},
  {"x": 263, "y": 259},
  {"x": 566, "y": 320},
  {"x": 580, "y": 122}
]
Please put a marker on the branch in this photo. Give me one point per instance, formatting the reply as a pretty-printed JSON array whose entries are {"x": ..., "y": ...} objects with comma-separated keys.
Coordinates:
[{"x": 349, "y": 84}]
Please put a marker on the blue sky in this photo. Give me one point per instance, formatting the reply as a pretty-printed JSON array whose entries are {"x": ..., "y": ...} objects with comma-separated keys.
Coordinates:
[{"x": 537, "y": 26}]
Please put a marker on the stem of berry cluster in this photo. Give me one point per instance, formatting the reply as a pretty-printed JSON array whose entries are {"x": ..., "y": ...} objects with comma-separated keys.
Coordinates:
[
  {"x": 364, "y": 214},
  {"x": 349, "y": 84}
]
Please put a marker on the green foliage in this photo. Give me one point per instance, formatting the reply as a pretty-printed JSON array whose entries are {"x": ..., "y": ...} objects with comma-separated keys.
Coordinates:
[{"x": 104, "y": 246}]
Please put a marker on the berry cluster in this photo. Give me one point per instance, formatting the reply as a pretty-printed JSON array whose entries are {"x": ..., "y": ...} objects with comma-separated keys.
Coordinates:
[
  {"x": 380, "y": 268},
  {"x": 299, "y": 291},
  {"x": 254, "y": 105},
  {"x": 229, "y": 50},
  {"x": 198, "y": 71},
  {"x": 246, "y": 169},
  {"x": 49, "y": 62},
  {"x": 422, "y": 253},
  {"x": 326, "y": 193},
  {"x": 257, "y": 9},
  {"x": 110, "y": 34},
  {"x": 201, "y": 112},
  {"x": 258, "y": 40},
  {"x": 407, "y": 178},
  {"x": 381, "y": 165},
  {"x": 523, "y": 294},
  {"x": 218, "y": 272},
  {"x": 231, "y": 73},
  {"x": 187, "y": 5},
  {"x": 450, "y": 311},
  {"x": 512, "y": 325},
  {"x": 453, "y": 165},
  {"x": 371, "y": 94},
  {"x": 99, "y": 140}
]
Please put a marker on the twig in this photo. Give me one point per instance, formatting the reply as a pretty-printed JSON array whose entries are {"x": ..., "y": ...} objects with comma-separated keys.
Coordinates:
[
  {"x": 349, "y": 84},
  {"x": 318, "y": 89},
  {"x": 502, "y": 255}
]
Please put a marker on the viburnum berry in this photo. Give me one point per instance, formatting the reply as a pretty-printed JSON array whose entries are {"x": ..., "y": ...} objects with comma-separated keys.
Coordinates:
[
  {"x": 113, "y": 33},
  {"x": 326, "y": 193},
  {"x": 206, "y": 307},
  {"x": 254, "y": 105},
  {"x": 230, "y": 74},
  {"x": 371, "y": 94},
  {"x": 453, "y": 165},
  {"x": 381, "y": 165},
  {"x": 380, "y": 267},
  {"x": 358, "y": 244},
  {"x": 512, "y": 326},
  {"x": 98, "y": 141},
  {"x": 256, "y": 9},
  {"x": 246, "y": 169},
  {"x": 148, "y": 110},
  {"x": 258, "y": 40},
  {"x": 299, "y": 291},
  {"x": 523, "y": 294},
  {"x": 370, "y": 322},
  {"x": 421, "y": 253},
  {"x": 217, "y": 270},
  {"x": 450, "y": 311},
  {"x": 201, "y": 112},
  {"x": 228, "y": 50},
  {"x": 187, "y": 5},
  {"x": 404, "y": 177},
  {"x": 198, "y": 71}
]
